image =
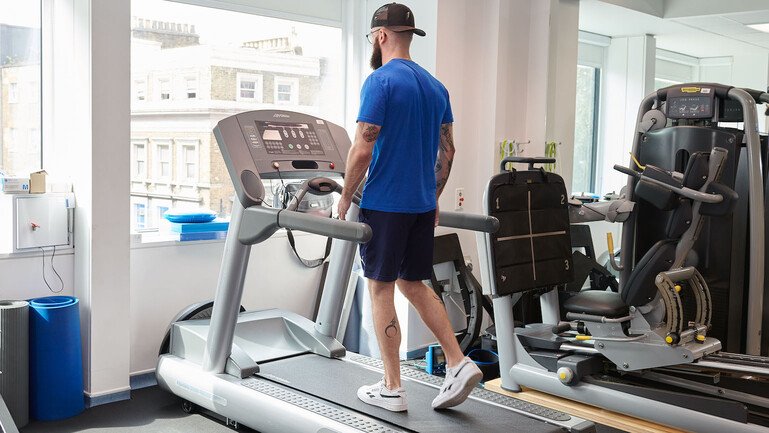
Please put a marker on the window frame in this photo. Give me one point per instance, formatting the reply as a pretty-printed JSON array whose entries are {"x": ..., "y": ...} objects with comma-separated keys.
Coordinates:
[
  {"x": 345, "y": 15},
  {"x": 182, "y": 163},
  {"x": 162, "y": 81},
  {"x": 187, "y": 87},
  {"x": 140, "y": 87},
  {"x": 13, "y": 92},
  {"x": 136, "y": 174},
  {"x": 157, "y": 167},
  {"x": 258, "y": 87},
  {"x": 293, "y": 96}
]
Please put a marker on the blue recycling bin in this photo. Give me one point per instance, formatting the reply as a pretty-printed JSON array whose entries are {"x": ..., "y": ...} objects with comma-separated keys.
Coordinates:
[{"x": 56, "y": 360}]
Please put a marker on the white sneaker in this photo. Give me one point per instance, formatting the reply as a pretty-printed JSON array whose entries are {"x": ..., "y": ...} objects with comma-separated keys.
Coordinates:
[
  {"x": 458, "y": 385},
  {"x": 378, "y": 395}
]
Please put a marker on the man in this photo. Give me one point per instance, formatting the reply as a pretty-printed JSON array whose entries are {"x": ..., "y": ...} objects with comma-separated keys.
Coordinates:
[{"x": 404, "y": 139}]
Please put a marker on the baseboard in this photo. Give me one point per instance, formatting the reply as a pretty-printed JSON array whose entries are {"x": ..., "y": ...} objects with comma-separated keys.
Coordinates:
[
  {"x": 143, "y": 380},
  {"x": 91, "y": 401}
]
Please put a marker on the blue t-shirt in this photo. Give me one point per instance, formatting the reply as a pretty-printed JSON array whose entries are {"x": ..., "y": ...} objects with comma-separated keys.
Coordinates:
[{"x": 410, "y": 105}]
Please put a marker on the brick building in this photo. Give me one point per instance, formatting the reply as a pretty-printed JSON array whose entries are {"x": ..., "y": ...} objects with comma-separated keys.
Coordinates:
[{"x": 181, "y": 89}]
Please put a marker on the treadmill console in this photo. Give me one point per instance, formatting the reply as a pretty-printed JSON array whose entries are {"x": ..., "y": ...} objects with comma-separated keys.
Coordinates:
[
  {"x": 273, "y": 144},
  {"x": 690, "y": 102}
]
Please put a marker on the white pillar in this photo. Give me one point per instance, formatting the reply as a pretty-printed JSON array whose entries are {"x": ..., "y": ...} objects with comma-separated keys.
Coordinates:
[{"x": 97, "y": 128}]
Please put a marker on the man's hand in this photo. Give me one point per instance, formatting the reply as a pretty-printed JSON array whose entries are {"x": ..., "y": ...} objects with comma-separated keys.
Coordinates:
[
  {"x": 437, "y": 214},
  {"x": 344, "y": 206}
]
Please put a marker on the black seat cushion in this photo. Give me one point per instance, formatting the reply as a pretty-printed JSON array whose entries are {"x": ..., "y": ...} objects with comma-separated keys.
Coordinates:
[
  {"x": 597, "y": 303},
  {"x": 640, "y": 288}
]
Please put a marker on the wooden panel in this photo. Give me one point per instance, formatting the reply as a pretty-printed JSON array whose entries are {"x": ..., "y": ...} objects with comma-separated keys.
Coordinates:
[{"x": 592, "y": 413}]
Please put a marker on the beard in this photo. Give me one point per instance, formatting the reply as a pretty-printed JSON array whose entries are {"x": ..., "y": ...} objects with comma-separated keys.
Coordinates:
[{"x": 376, "y": 56}]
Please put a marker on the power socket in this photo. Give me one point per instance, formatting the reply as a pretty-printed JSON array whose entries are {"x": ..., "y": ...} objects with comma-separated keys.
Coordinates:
[{"x": 459, "y": 199}]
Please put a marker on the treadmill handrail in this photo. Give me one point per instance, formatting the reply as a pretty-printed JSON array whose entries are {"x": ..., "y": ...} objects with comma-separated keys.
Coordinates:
[
  {"x": 460, "y": 220},
  {"x": 330, "y": 227}
]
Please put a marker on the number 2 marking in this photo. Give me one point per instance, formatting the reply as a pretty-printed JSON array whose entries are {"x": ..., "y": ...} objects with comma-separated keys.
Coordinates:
[{"x": 563, "y": 199}]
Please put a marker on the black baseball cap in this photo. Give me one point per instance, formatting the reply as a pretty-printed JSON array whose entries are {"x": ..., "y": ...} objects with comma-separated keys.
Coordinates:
[{"x": 396, "y": 17}]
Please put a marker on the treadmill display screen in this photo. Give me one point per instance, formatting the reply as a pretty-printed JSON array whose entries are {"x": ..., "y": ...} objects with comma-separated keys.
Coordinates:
[
  {"x": 690, "y": 107},
  {"x": 285, "y": 138}
]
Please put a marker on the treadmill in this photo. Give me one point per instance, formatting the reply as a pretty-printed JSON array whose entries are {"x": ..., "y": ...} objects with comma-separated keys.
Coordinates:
[{"x": 276, "y": 371}]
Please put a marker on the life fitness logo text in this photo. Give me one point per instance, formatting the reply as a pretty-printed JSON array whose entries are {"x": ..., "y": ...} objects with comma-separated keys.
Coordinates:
[{"x": 280, "y": 115}]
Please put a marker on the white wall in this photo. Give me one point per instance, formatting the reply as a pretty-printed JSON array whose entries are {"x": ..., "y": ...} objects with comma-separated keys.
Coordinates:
[
  {"x": 165, "y": 278},
  {"x": 21, "y": 276}
]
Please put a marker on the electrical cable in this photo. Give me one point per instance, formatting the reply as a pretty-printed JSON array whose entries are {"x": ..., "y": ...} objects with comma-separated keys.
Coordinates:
[{"x": 53, "y": 254}]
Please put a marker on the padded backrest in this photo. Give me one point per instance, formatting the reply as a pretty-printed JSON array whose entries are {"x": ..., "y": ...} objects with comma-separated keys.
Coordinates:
[
  {"x": 640, "y": 288},
  {"x": 532, "y": 248}
]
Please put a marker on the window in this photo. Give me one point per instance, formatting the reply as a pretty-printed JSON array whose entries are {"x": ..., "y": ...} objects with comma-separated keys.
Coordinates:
[
  {"x": 181, "y": 52},
  {"x": 13, "y": 93},
  {"x": 163, "y": 161},
  {"x": 585, "y": 129},
  {"x": 20, "y": 84},
  {"x": 139, "y": 156},
  {"x": 286, "y": 90},
  {"x": 141, "y": 90},
  {"x": 140, "y": 215},
  {"x": 192, "y": 88},
  {"x": 249, "y": 87},
  {"x": 188, "y": 166},
  {"x": 165, "y": 89},
  {"x": 672, "y": 68}
]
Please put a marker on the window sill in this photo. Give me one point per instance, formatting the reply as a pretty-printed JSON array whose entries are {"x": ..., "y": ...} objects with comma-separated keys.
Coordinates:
[
  {"x": 60, "y": 251},
  {"x": 166, "y": 239}
]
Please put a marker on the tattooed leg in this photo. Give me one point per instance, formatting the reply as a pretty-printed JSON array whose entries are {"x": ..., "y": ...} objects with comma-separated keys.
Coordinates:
[{"x": 387, "y": 329}]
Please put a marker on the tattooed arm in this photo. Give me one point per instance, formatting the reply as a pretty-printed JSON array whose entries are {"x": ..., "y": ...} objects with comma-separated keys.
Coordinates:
[
  {"x": 358, "y": 161},
  {"x": 445, "y": 158},
  {"x": 443, "y": 164}
]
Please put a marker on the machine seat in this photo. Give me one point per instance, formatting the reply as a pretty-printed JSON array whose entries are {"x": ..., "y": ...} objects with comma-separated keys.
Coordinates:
[{"x": 597, "y": 303}]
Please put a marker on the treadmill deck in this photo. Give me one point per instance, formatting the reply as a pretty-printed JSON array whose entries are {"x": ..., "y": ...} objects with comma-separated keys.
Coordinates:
[{"x": 337, "y": 381}]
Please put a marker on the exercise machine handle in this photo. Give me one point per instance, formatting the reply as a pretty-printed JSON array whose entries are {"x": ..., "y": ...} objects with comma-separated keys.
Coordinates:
[
  {"x": 525, "y": 160},
  {"x": 460, "y": 220},
  {"x": 337, "y": 229},
  {"x": 683, "y": 191}
]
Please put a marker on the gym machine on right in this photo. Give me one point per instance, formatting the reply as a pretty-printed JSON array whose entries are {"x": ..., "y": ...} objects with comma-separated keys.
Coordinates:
[{"x": 680, "y": 342}]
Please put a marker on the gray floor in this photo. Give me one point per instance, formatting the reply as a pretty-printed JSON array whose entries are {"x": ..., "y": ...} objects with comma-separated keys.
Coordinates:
[{"x": 150, "y": 410}]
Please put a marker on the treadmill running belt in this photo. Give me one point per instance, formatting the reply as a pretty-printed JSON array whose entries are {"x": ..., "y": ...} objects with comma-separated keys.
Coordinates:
[{"x": 338, "y": 381}]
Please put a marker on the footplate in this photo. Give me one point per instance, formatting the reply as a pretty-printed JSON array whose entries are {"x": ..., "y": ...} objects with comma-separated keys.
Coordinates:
[{"x": 670, "y": 285}]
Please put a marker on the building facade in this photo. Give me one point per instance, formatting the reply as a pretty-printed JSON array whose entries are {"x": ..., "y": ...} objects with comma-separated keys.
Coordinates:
[{"x": 181, "y": 89}]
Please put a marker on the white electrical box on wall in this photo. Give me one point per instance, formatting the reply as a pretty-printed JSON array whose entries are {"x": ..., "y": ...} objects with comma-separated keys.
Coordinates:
[{"x": 32, "y": 221}]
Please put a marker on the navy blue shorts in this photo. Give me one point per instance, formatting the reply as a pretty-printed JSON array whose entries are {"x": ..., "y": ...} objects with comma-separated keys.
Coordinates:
[{"x": 401, "y": 247}]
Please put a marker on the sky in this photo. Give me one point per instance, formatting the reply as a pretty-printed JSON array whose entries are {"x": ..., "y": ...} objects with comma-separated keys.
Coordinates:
[
  {"x": 220, "y": 27},
  {"x": 20, "y": 13}
]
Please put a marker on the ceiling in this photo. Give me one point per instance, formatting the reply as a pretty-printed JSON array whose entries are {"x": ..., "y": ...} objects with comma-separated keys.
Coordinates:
[{"x": 719, "y": 33}]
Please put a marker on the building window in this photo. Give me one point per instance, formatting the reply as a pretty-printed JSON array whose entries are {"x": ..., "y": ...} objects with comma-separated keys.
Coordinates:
[
  {"x": 188, "y": 163},
  {"x": 141, "y": 90},
  {"x": 165, "y": 89},
  {"x": 178, "y": 51},
  {"x": 140, "y": 215},
  {"x": 192, "y": 88},
  {"x": 249, "y": 87},
  {"x": 286, "y": 91},
  {"x": 586, "y": 129},
  {"x": 163, "y": 162},
  {"x": 139, "y": 155},
  {"x": 20, "y": 86},
  {"x": 13, "y": 93}
]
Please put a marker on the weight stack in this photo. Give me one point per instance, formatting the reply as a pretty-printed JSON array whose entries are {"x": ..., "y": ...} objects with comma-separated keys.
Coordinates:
[{"x": 14, "y": 359}]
